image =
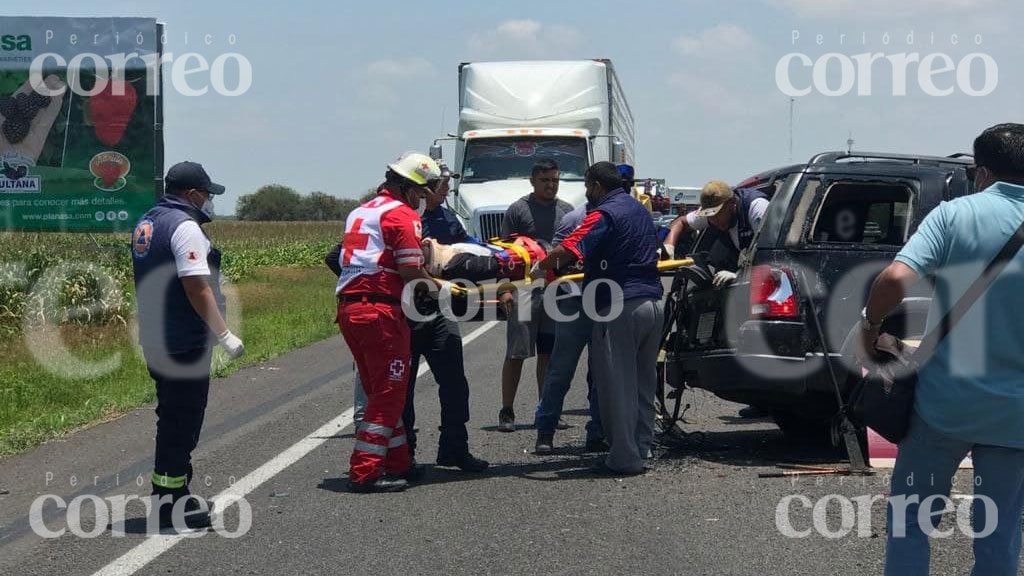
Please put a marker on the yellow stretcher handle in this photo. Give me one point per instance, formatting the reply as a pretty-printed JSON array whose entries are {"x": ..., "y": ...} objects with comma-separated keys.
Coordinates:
[{"x": 663, "y": 265}]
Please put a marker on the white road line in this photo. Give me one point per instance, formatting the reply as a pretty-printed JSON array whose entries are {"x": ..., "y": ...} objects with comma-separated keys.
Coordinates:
[{"x": 154, "y": 546}]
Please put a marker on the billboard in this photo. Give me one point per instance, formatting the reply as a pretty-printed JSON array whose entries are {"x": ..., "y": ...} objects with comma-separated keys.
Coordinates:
[{"x": 80, "y": 141}]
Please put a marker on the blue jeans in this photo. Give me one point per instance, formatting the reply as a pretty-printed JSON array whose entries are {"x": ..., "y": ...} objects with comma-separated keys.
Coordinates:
[
  {"x": 925, "y": 454},
  {"x": 570, "y": 339}
]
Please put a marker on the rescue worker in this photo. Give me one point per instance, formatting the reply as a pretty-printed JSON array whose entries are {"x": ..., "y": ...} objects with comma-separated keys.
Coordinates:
[
  {"x": 382, "y": 253},
  {"x": 735, "y": 216},
  {"x": 439, "y": 341},
  {"x": 181, "y": 310},
  {"x": 617, "y": 244}
]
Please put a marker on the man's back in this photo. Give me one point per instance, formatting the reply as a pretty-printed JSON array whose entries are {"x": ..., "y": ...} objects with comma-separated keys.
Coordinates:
[{"x": 973, "y": 388}]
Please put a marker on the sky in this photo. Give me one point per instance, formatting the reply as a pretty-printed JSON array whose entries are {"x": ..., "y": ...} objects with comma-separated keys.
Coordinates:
[{"x": 339, "y": 89}]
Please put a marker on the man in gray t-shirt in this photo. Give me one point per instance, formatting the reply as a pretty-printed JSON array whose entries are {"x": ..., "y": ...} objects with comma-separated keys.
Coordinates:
[{"x": 538, "y": 216}]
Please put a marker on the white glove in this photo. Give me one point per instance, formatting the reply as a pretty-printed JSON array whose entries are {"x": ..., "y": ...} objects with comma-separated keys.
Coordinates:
[
  {"x": 671, "y": 251},
  {"x": 232, "y": 344},
  {"x": 723, "y": 278}
]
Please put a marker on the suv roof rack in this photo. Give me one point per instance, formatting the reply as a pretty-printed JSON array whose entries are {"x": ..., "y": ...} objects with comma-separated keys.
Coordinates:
[{"x": 959, "y": 158}]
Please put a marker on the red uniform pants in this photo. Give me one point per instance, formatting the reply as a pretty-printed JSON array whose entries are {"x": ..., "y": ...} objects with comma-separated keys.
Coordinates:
[{"x": 379, "y": 338}]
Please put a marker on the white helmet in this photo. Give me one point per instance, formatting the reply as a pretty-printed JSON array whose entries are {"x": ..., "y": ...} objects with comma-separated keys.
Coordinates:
[{"x": 417, "y": 168}]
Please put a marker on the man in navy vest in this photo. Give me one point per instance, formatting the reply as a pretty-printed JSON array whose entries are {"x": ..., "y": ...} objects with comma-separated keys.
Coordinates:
[
  {"x": 619, "y": 249},
  {"x": 734, "y": 217},
  {"x": 181, "y": 315}
]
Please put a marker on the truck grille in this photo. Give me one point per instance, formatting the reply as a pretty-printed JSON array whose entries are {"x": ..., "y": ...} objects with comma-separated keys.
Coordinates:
[{"x": 488, "y": 224}]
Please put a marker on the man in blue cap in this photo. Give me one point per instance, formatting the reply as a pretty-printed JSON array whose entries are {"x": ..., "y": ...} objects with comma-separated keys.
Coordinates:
[{"x": 181, "y": 315}]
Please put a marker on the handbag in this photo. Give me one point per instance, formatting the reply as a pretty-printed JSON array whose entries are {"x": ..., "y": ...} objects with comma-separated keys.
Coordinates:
[{"x": 882, "y": 397}]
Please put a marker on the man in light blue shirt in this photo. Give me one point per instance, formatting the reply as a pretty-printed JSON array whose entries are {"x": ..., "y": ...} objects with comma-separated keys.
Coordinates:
[{"x": 970, "y": 394}]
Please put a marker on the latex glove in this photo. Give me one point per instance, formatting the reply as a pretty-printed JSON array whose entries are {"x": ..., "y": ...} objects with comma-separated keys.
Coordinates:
[
  {"x": 723, "y": 278},
  {"x": 445, "y": 287},
  {"x": 671, "y": 251},
  {"x": 232, "y": 344}
]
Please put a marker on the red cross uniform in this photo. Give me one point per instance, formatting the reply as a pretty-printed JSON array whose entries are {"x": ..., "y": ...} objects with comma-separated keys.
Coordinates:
[{"x": 380, "y": 236}]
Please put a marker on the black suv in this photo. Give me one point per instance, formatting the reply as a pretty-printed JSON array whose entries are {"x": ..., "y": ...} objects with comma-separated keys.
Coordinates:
[{"x": 831, "y": 226}]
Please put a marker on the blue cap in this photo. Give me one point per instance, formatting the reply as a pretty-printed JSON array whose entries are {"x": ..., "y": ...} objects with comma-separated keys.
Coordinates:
[
  {"x": 626, "y": 171},
  {"x": 188, "y": 175}
]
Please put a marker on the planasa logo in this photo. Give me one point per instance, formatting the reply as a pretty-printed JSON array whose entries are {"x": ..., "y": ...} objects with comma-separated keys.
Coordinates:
[{"x": 13, "y": 43}]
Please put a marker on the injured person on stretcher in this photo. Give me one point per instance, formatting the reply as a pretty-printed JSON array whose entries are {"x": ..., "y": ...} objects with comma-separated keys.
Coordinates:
[{"x": 507, "y": 259}]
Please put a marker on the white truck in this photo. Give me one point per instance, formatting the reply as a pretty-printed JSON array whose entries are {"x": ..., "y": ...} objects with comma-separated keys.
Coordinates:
[{"x": 512, "y": 114}]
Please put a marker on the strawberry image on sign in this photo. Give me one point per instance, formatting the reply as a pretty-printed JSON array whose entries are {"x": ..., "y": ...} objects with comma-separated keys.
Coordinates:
[
  {"x": 111, "y": 110},
  {"x": 108, "y": 173}
]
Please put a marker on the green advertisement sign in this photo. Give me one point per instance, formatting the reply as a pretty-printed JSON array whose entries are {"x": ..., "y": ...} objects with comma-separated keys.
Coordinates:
[{"x": 80, "y": 146}]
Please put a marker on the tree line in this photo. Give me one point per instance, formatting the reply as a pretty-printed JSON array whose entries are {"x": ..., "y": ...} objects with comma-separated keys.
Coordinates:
[{"x": 281, "y": 203}]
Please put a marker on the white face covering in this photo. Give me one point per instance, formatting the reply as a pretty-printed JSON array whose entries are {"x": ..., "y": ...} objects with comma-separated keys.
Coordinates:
[
  {"x": 422, "y": 206},
  {"x": 206, "y": 207}
]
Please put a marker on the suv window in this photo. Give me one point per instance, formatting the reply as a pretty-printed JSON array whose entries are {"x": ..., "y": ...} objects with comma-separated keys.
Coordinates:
[{"x": 862, "y": 213}]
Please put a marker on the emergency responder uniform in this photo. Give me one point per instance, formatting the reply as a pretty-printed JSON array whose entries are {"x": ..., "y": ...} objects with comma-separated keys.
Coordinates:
[
  {"x": 168, "y": 246},
  {"x": 438, "y": 340},
  {"x": 381, "y": 236}
]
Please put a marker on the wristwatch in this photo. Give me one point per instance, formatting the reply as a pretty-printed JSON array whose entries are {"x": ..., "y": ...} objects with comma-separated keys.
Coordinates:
[{"x": 865, "y": 324}]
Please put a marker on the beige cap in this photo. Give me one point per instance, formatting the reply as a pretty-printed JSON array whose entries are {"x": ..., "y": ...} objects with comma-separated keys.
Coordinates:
[{"x": 713, "y": 196}]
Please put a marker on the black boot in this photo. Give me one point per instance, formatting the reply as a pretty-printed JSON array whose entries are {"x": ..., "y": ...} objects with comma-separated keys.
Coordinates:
[
  {"x": 463, "y": 461},
  {"x": 195, "y": 515}
]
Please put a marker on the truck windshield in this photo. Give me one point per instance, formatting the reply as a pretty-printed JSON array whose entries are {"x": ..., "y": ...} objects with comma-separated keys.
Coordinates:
[{"x": 507, "y": 158}]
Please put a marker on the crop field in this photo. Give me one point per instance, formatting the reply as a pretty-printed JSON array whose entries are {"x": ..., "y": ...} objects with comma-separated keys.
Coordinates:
[{"x": 68, "y": 356}]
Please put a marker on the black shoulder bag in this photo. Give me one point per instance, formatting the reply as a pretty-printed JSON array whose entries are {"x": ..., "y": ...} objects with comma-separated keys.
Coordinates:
[{"x": 883, "y": 398}]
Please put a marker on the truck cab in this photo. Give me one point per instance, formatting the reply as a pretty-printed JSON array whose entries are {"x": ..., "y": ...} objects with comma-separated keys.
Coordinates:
[
  {"x": 513, "y": 114},
  {"x": 496, "y": 165}
]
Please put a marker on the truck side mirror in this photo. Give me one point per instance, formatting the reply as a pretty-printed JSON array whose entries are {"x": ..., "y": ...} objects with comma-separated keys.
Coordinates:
[
  {"x": 435, "y": 151},
  {"x": 618, "y": 151}
]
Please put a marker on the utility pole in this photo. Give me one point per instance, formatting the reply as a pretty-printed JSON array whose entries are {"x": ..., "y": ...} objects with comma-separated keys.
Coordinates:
[{"x": 791, "y": 100}]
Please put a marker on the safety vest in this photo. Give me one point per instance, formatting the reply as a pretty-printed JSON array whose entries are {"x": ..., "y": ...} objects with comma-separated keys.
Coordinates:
[
  {"x": 168, "y": 324},
  {"x": 364, "y": 252}
]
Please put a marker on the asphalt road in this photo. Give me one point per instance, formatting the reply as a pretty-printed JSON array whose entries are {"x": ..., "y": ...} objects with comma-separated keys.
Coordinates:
[{"x": 276, "y": 432}]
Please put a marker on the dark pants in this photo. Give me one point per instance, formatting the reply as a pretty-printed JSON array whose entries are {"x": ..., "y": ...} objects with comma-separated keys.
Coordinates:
[
  {"x": 440, "y": 343},
  {"x": 182, "y": 386}
]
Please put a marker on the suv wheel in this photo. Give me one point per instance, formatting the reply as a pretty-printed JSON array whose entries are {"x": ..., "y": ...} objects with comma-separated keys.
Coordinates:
[{"x": 802, "y": 429}]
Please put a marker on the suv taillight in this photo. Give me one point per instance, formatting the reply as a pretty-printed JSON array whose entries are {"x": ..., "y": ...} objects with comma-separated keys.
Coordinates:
[{"x": 772, "y": 294}]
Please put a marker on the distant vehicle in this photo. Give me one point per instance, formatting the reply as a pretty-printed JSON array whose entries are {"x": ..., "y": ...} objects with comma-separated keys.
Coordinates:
[
  {"x": 839, "y": 212},
  {"x": 512, "y": 114},
  {"x": 687, "y": 196}
]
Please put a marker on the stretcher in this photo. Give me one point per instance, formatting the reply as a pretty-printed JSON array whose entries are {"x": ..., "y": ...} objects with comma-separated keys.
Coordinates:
[{"x": 495, "y": 287}]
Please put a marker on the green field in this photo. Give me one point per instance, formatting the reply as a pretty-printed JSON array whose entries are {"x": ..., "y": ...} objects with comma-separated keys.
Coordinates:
[{"x": 66, "y": 308}]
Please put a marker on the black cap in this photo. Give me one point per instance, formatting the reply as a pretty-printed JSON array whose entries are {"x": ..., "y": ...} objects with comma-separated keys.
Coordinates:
[{"x": 188, "y": 175}]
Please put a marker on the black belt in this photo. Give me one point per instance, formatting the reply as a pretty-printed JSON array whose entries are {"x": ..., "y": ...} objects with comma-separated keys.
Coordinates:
[{"x": 377, "y": 298}]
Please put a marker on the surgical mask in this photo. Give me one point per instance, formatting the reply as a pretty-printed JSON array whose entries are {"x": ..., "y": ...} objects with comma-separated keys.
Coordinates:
[
  {"x": 207, "y": 208},
  {"x": 421, "y": 208}
]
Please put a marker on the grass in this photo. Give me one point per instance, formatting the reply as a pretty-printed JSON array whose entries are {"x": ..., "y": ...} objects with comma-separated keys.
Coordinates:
[{"x": 286, "y": 298}]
